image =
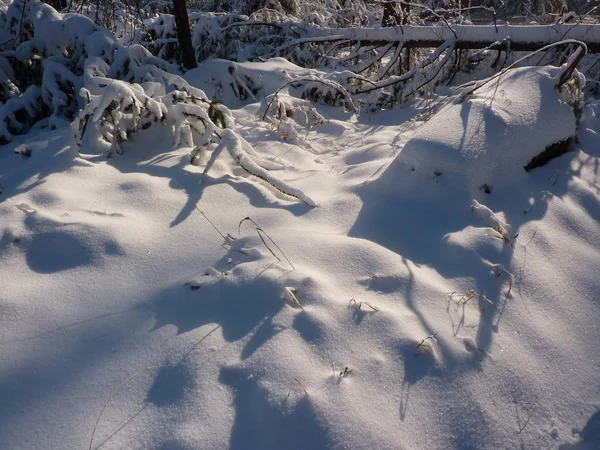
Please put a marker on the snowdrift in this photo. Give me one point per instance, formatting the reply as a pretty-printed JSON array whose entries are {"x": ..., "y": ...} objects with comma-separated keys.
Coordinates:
[{"x": 485, "y": 141}]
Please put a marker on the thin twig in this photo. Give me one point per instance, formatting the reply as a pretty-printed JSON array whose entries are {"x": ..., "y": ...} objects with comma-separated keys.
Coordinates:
[
  {"x": 534, "y": 233},
  {"x": 369, "y": 305},
  {"x": 114, "y": 392},
  {"x": 260, "y": 233},
  {"x": 139, "y": 372},
  {"x": 199, "y": 210},
  {"x": 301, "y": 385},
  {"x": 525, "y": 424}
]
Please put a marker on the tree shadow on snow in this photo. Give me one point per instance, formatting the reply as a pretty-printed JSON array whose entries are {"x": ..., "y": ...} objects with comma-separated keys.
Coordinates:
[
  {"x": 260, "y": 424},
  {"x": 192, "y": 184},
  {"x": 172, "y": 445},
  {"x": 63, "y": 358},
  {"x": 52, "y": 245},
  {"x": 169, "y": 385},
  {"x": 55, "y": 246},
  {"x": 414, "y": 213},
  {"x": 219, "y": 297},
  {"x": 590, "y": 435},
  {"x": 51, "y": 152}
]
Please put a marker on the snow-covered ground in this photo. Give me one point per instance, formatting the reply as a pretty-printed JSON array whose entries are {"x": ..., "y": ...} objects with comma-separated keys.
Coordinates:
[{"x": 437, "y": 297}]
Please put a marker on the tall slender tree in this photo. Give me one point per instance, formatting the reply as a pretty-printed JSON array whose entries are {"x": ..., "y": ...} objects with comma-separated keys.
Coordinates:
[{"x": 184, "y": 35}]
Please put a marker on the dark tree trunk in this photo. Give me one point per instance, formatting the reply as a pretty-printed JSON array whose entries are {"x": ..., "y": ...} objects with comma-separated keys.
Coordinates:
[
  {"x": 184, "y": 35},
  {"x": 391, "y": 16},
  {"x": 57, "y": 4}
]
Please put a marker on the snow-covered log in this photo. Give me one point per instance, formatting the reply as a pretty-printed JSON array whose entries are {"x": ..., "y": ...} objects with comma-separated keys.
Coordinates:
[{"x": 522, "y": 38}]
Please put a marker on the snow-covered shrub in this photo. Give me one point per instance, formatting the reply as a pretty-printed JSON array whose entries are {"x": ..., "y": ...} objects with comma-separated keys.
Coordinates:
[
  {"x": 251, "y": 29},
  {"x": 229, "y": 36},
  {"x": 18, "y": 114},
  {"x": 281, "y": 108},
  {"x": 118, "y": 109},
  {"x": 330, "y": 13},
  {"x": 51, "y": 57},
  {"x": 238, "y": 37},
  {"x": 125, "y": 19},
  {"x": 162, "y": 35},
  {"x": 325, "y": 91},
  {"x": 130, "y": 96},
  {"x": 42, "y": 68}
]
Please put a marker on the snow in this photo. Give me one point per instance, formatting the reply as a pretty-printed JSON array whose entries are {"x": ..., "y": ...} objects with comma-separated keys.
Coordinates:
[{"x": 364, "y": 305}]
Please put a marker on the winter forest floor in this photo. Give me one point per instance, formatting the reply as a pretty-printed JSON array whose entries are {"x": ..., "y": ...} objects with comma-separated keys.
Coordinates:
[{"x": 419, "y": 289}]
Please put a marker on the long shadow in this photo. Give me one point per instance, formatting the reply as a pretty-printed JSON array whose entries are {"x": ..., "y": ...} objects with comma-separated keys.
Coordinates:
[
  {"x": 20, "y": 174},
  {"x": 417, "y": 365},
  {"x": 219, "y": 298},
  {"x": 172, "y": 444},
  {"x": 193, "y": 186},
  {"x": 56, "y": 246},
  {"x": 414, "y": 213},
  {"x": 259, "y": 424},
  {"x": 62, "y": 360},
  {"x": 590, "y": 435}
]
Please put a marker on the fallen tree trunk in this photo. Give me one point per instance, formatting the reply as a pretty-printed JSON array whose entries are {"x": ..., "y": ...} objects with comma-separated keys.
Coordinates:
[{"x": 520, "y": 38}]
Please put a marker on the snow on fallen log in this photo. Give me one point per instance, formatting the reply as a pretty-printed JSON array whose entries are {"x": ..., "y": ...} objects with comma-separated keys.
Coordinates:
[
  {"x": 488, "y": 140},
  {"x": 247, "y": 158},
  {"x": 522, "y": 38}
]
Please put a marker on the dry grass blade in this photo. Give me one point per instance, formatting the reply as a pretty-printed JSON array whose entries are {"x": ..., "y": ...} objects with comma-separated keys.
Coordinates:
[
  {"x": 260, "y": 233},
  {"x": 427, "y": 344},
  {"x": 202, "y": 212},
  {"x": 525, "y": 424},
  {"x": 301, "y": 385},
  {"x": 344, "y": 373},
  {"x": 249, "y": 219},
  {"x": 263, "y": 234},
  {"x": 114, "y": 392},
  {"x": 291, "y": 297},
  {"x": 369, "y": 305},
  {"x": 139, "y": 372},
  {"x": 534, "y": 233},
  {"x": 431, "y": 336}
]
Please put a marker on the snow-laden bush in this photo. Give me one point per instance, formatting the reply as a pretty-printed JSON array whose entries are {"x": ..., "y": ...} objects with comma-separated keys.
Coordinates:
[
  {"x": 240, "y": 38},
  {"x": 47, "y": 62},
  {"x": 41, "y": 71},
  {"x": 64, "y": 68},
  {"x": 118, "y": 108},
  {"x": 330, "y": 13}
]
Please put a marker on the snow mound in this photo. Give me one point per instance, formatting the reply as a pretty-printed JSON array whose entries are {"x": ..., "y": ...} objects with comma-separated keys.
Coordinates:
[{"x": 485, "y": 141}]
